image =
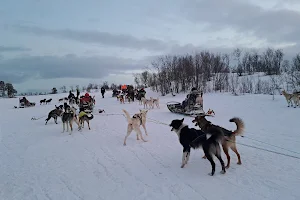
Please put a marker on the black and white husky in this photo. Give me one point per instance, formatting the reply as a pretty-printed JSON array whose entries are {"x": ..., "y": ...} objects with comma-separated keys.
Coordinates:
[
  {"x": 57, "y": 112},
  {"x": 192, "y": 138}
]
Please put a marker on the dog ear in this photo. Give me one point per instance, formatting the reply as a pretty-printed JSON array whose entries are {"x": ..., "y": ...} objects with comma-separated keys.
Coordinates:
[{"x": 182, "y": 119}]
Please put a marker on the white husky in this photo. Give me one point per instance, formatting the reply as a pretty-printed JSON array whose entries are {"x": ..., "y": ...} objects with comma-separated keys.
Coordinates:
[
  {"x": 147, "y": 102},
  {"x": 155, "y": 102},
  {"x": 134, "y": 123}
]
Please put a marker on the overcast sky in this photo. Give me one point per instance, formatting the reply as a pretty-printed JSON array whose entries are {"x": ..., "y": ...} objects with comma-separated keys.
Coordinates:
[{"x": 45, "y": 44}]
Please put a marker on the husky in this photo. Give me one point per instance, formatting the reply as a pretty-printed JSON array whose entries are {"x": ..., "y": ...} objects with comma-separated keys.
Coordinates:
[
  {"x": 84, "y": 117},
  {"x": 192, "y": 138},
  {"x": 59, "y": 107},
  {"x": 57, "y": 112},
  {"x": 42, "y": 101},
  {"x": 229, "y": 140},
  {"x": 134, "y": 123},
  {"x": 122, "y": 100},
  {"x": 66, "y": 107},
  {"x": 48, "y": 101},
  {"x": 147, "y": 102},
  {"x": 67, "y": 119},
  {"x": 291, "y": 97},
  {"x": 155, "y": 102}
]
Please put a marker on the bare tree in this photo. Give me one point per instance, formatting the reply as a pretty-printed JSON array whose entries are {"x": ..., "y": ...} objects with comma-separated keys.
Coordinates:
[
  {"x": 63, "y": 89},
  {"x": 72, "y": 88}
]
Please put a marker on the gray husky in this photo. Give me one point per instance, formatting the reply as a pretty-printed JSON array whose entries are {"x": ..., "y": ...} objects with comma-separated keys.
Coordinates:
[
  {"x": 67, "y": 119},
  {"x": 57, "y": 112}
]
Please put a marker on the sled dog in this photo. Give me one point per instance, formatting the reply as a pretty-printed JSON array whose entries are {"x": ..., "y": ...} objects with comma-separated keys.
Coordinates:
[
  {"x": 134, "y": 124},
  {"x": 192, "y": 138},
  {"x": 147, "y": 102},
  {"x": 290, "y": 98},
  {"x": 229, "y": 139}
]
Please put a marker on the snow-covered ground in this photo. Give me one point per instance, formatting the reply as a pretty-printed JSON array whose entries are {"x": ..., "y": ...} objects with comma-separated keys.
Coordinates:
[{"x": 37, "y": 161}]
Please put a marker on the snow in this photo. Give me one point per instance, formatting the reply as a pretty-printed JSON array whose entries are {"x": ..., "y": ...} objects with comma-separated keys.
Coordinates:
[{"x": 38, "y": 161}]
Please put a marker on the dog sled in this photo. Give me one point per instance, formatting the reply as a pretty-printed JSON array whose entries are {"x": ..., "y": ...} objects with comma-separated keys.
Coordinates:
[
  {"x": 87, "y": 104},
  {"x": 24, "y": 103},
  {"x": 190, "y": 106},
  {"x": 191, "y": 110}
]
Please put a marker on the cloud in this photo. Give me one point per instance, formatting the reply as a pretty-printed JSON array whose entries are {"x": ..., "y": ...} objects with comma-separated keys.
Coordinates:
[
  {"x": 275, "y": 26},
  {"x": 18, "y": 70},
  {"x": 97, "y": 37},
  {"x": 13, "y": 49}
]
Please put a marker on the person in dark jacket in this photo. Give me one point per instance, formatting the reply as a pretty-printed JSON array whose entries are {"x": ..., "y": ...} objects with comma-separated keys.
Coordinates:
[
  {"x": 77, "y": 92},
  {"x": 141, "y": 94},
  {"x": 102, "y": 91},
  {"x": 71, "y": 95},
  {"x": 130, "y": 93}
]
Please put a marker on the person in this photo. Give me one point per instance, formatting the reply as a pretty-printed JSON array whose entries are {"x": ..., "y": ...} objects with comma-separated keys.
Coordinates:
[
  {"x": 86, "y": 98},
  {"x": 141, "y": 93},
  {"x": 190, "y": 98},
  {"x": 130, "y": 93},
  {"x": 71, "y": 95},
  {"x": 102, "y": 91},
  {"x": 78, "y": 93}
]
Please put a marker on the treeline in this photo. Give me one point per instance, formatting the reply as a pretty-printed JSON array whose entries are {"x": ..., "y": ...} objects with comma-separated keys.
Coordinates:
[
  {"x": 65, "y": 89},
  {"x": 238, "y": 72},
  {"x": 7, "y": 90}
]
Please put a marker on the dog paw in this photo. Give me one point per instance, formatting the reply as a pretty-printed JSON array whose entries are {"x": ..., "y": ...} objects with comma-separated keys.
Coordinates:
[
  {"x": 182, "y": 166},
  {"x": 204, "y": 157},
  {"x": 239, "y": 163},
  {"x": 222, "y": 172},
  {"x": 211, "y": 174},
  {"x": 227, "y": 167}
]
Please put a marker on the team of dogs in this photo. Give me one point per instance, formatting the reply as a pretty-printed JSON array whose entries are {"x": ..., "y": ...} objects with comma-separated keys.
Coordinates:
[
  {"x": 68, "y": 115},
  {"x": 193, "y": 138},
  {"x": 148, "y": 103},
  {"x": 209, "y": 136},
  {"x": 45, "y": 101},
  {"x": 188, "y": 137}
]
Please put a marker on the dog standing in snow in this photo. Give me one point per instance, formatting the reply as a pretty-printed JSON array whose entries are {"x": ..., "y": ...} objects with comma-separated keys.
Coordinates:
[
  {"x": 134, "y": 123},
  {"x": 155, "y": 102},
  {"x": 147, "y": 102}
]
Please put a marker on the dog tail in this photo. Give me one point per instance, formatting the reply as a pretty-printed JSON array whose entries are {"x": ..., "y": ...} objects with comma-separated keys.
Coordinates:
[
  {"x": 127, "y": 116},
  {"x": 240, "y": 126},
  {"x": 91, "y": 117}
]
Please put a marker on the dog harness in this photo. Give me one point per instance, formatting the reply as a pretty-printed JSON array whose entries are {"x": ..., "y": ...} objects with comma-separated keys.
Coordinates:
[{"x": 81, "y": 114}]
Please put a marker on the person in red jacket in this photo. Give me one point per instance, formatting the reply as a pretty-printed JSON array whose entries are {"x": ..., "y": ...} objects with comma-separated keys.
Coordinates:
[{"x": 86, "y": 98}]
